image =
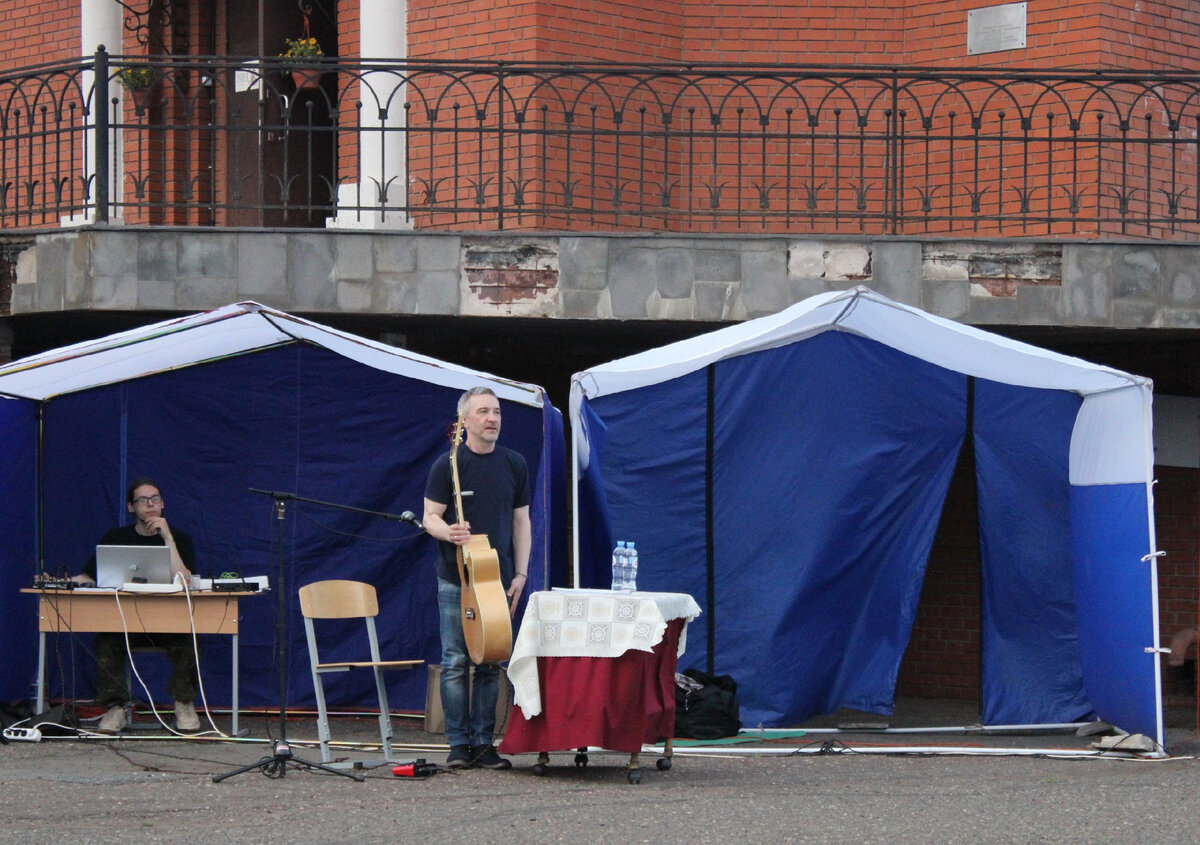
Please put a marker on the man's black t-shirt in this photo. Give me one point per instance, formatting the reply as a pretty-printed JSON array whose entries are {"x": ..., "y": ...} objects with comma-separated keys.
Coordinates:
[
  {"x": 493, "y": 486},
  {"x": 127, "y": 535}
]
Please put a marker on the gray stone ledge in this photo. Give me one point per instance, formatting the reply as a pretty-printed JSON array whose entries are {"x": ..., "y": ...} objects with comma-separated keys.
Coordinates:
[{"x": 640, "y": 276}]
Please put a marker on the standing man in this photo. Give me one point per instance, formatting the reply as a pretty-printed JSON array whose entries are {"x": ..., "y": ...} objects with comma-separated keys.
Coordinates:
[
  {"x": 494, "y": 484},
  {"x": 144, "y": 500}
]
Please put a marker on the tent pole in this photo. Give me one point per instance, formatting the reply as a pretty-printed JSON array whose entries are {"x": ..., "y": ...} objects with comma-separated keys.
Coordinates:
[
  {"x": 1155, "y": 648},
  {"x": 574, "y": 499},
  {"x": 39, "y": 504},
  {"x": 711, "y": 591}
]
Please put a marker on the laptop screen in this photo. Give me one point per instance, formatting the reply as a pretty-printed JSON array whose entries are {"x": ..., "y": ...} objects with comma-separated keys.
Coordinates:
[{"x": 119, "y": 565}]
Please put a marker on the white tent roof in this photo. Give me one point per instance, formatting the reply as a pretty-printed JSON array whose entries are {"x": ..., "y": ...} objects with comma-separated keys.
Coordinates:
[
  {"x": 211, "y": 335},
  {"x": 1099, "y": 451},
  {"x": 863, "y": 312}
]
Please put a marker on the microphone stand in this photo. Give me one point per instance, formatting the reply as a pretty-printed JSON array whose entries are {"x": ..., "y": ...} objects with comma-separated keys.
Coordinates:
[{"x": 281, "y": 752}]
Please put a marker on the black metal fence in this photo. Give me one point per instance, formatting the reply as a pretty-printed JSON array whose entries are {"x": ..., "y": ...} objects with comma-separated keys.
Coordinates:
[{"x": 227, "y": 142}]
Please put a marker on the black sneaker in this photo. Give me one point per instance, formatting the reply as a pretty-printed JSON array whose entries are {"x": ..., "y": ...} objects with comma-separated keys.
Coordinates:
[
  {"x": 485, "y": 757},
  {"x": 460, "y": 757}
]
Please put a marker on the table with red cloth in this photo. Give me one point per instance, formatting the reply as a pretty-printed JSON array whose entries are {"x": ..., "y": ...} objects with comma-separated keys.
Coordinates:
[{"x": 596, "y": 668}]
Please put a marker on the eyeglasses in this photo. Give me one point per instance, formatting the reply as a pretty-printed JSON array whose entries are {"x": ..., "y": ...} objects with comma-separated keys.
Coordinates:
[{"x": 148, "y": 500}]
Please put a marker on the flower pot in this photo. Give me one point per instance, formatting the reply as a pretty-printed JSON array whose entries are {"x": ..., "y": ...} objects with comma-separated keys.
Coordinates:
[
  {"x": 144, "y": 98},
  {"x": 307, "y": 79}
]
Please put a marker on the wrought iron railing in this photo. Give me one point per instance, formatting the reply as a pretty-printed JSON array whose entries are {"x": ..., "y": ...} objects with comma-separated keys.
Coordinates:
[{"x": 458, "y": 145}]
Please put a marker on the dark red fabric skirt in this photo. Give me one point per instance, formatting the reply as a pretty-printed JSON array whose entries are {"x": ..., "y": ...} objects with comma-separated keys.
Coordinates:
[{"x": 613, "y": 703}]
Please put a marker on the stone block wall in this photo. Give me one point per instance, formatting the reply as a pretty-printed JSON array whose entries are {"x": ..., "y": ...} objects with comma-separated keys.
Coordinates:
[{"x": 1119, "y": 285}]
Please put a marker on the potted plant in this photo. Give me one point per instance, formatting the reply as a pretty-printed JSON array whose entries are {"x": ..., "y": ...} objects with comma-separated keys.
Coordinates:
[
  {"x": 141, "y": 81},
  {"x": 299, "y": 60}
]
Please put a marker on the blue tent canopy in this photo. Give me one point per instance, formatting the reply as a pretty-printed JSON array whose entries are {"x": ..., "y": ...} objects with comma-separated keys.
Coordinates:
[
  {"x": 789, "y": 473},
  {"x": 244, "y": 397}
]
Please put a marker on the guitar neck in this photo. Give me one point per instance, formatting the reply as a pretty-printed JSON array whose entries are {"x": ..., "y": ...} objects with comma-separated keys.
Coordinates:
[{"x": 458, "y": 433}]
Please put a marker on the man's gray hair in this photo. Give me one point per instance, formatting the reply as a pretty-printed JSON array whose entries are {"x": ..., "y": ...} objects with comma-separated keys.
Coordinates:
[{"x": 465, "y": 399}]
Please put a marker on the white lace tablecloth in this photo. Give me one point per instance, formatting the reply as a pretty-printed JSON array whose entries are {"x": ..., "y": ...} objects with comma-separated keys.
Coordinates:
[{"x": 589, "y": 623}]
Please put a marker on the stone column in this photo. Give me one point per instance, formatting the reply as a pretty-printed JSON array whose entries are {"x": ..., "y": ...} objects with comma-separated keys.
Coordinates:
[
  {"x": 99, "y": 23},
  {"x": 383, "y": 34}
]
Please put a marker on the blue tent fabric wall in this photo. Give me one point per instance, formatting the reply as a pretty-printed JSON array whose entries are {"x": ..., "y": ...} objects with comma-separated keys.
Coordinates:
[
  {"x": 843, "y": 555},
  {"x": 1111, "y": 576},
  {"x": 830, "y": 560},
  {"x": 1030, "y": 648},
  {"x": 659, "y": 480},
  {"x": 300, "y": 419},
  {"x": 836, "y": 426},
  {"x": 18, "y": 540}
]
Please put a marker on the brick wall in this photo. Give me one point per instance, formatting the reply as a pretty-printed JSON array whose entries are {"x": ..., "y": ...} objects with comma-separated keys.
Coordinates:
[
  {"x": 1075, "y": 33},
  {"x": 794, "y": 31},
  {"x": 554, "y": 30},
  {"x": 38, "y": 32},
  {"x": 1066, "y": 33},
  {"x": 942, "y": 660},
  {"x": 1177, "y": 512}
]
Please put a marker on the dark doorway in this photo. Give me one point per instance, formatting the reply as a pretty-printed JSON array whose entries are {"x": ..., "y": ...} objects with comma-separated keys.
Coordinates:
[{"x": 282, "y": 167}]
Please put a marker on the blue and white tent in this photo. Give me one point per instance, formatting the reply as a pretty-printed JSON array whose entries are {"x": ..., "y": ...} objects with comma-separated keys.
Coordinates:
[
  {"x": 212, "y": 405},
  {"x": 789, "y": 472}
]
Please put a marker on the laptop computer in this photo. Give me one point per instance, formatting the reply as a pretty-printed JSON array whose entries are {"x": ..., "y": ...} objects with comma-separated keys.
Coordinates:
[{"x": 120, "y": 565}]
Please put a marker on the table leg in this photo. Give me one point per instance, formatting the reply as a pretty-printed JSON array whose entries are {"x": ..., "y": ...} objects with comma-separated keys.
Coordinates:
[
  {"x": 234, "y": 727},
  {"x": 41, "y": 673}
]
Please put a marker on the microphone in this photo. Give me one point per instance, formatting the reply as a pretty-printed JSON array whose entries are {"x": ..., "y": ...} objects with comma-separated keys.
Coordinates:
[{"x": 411, "y": 519}]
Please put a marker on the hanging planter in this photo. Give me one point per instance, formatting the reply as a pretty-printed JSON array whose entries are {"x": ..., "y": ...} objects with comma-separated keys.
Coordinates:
[
  {"x": 144, "y": 98},
  {"x": 307, "y": 79},
  {"x": 143, "y": 83},
  {"x": 299, "y": 57}
]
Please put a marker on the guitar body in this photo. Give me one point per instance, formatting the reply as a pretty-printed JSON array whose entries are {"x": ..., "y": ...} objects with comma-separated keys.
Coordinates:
[{"x": 487, "y": 625}]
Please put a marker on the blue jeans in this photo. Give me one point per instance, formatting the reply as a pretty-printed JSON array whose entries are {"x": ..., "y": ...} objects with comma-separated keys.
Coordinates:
[{"x": 469, "y": 708}]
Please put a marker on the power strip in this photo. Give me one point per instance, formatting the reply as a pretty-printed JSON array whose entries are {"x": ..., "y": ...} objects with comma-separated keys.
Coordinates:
[{"x": 23, "y": 734}]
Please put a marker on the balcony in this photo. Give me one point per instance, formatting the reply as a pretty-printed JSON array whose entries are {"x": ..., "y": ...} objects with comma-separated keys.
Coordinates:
[{"x": 453, "y": 146}]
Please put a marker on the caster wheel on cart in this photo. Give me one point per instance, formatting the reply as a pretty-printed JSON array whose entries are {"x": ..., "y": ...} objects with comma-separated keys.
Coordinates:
[
  {"x": 664, "y": 764},
  {"x": 581, "y": 759},
  {"x": 540, "y": 769},
  {"x": 635, "y": 776}
]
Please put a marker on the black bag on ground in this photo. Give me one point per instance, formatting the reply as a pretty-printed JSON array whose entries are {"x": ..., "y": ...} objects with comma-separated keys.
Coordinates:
[{"x": 706, "y": 707}]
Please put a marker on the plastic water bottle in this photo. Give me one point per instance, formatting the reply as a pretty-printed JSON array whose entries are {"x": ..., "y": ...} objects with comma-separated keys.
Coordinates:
[
  {"x": 630, "y": 584},
  {"x": 618, "y": 566}
]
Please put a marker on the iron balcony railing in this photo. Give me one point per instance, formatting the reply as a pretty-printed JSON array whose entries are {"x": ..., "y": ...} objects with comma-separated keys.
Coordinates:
[{"x": 462, "y": 145}]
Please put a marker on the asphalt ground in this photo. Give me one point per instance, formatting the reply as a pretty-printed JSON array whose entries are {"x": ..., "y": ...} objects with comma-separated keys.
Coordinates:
[{"x": 146, "y": 786}]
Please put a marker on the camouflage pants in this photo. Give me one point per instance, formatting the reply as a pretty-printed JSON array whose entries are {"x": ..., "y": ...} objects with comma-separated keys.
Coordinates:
[{"x": 110, "y": 665}]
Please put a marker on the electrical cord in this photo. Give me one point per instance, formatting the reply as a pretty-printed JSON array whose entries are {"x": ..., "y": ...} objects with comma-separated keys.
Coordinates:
[{"x": 195, "y": 652}]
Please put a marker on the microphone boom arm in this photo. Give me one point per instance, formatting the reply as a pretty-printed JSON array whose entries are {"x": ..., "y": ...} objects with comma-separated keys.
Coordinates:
[{"x": 407, "y": 516}]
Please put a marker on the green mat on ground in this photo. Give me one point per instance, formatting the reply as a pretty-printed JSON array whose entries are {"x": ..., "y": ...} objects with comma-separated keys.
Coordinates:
[{"x": 742, "y": 737}]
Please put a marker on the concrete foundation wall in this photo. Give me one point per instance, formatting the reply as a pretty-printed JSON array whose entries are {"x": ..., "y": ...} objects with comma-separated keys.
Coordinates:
[{"x": 620, "y": 277}]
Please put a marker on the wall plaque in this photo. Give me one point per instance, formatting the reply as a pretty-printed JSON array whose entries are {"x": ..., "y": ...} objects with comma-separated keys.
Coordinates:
[{"x": 996, "y": 28}]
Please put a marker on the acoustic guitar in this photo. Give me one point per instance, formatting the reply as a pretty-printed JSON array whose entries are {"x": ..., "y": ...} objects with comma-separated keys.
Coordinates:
[{"x": 487, "y": 625}]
